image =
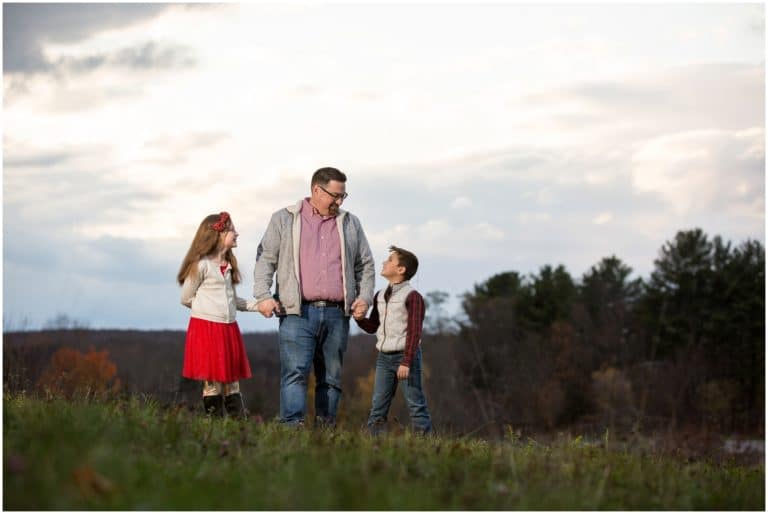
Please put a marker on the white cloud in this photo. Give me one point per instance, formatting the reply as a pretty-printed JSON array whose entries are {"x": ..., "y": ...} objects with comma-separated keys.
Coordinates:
[
  {"x": 527, "y": 218},
  {"x": 461, "y": 202},
  {"x": 598, "y": 178},
  {"x": 704, "y": 170},
  {"x": 603, "y": 218},
  {"x": 440, "y": 237}
]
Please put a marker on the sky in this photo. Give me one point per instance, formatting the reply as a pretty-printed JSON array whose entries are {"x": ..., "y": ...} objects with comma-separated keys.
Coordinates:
[{"x": 491, "y": 138}]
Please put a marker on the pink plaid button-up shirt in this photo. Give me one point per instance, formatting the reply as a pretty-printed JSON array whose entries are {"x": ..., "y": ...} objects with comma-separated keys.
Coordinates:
[{"x": 319, "y": 256}]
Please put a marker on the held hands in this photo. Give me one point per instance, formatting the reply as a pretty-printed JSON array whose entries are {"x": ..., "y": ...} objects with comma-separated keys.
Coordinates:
[
  {"x": 402, "y": 372},
  {"x": 267, "y": 308},
  {"x": 359, "y": 308}
]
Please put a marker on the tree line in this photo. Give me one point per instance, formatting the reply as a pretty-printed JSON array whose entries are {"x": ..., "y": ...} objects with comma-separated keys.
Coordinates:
[{"x": 684, "y": 347}]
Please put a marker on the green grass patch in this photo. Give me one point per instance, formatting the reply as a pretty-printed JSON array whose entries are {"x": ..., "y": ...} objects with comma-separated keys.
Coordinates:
[{"x": 134, "y": 455}]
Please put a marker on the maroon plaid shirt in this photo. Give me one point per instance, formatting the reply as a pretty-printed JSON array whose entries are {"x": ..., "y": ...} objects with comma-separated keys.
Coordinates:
[{"x": 414, "y": 305}]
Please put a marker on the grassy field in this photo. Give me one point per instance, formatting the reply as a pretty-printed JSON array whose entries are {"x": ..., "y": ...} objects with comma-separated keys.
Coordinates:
[{"x": 134, "y": 455}]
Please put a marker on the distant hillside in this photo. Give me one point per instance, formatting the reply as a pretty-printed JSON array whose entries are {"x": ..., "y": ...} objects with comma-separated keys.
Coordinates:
[{"x": 150, "y": 362}]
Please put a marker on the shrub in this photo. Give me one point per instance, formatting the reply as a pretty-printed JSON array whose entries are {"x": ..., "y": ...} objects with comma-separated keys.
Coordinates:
[{"x": 71, "y": 373}]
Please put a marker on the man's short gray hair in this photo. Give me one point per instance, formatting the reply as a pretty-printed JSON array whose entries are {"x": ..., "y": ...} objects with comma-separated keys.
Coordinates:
[{"x": 325, "y": 175}]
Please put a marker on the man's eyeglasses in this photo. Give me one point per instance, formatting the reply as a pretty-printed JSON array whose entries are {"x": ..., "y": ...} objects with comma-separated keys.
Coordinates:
[{"x": 335, "y": 196}]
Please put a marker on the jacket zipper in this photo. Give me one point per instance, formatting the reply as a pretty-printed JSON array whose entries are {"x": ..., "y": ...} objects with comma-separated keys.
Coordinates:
[{"x": 386, "y": 313}]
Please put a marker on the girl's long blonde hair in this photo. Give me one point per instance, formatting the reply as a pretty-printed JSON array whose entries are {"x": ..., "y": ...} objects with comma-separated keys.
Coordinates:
[{"x": 205, "y": 243}]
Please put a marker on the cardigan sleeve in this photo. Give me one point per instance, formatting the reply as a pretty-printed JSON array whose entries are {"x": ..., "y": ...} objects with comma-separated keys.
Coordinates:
[
  {"x": 191, "y": 284},
  {"x": 245, "y": 305}
]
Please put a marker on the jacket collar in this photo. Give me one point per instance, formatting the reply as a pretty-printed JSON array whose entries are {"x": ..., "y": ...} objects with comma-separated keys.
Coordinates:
[{"x": 398, "y": 286}]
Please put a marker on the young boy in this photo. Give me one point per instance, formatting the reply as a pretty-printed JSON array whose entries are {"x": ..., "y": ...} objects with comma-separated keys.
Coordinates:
[{"x": 397, "y": 318}]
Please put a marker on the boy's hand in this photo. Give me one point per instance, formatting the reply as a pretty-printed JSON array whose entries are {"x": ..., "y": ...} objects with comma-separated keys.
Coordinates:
[
  {"x": 359, "y": 308},
  {"x": 358, "y": 315},
  {"x": 402, "y": 372}
]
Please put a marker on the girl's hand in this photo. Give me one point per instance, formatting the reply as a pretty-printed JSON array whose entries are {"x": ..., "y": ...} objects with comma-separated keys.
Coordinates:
[
  {"x": 402, "y": 372},
  {"x": 267, "y": 308}
]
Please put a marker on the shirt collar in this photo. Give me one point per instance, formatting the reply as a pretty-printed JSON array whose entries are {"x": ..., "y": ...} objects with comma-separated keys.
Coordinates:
[{"x": 309, "y": 211}]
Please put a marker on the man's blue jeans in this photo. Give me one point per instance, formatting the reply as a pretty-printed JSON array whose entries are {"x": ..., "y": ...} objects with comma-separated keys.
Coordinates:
[
  {"x": 385, "y": 387},
  {"x": 319, "y": 337}
]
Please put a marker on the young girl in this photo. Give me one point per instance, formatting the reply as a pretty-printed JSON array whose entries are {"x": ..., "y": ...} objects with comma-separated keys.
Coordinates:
[{"x": 214, "y": 350}]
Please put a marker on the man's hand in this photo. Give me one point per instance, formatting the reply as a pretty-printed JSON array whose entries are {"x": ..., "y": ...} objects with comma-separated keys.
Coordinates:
[
  {"x": 268, "y": 307},
  {"x": 402, "y": 372},
  {"x": 359, "y": 308}
]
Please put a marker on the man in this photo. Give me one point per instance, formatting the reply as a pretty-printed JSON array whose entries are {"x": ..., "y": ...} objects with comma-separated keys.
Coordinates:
[{"x": 325, "y": 273}]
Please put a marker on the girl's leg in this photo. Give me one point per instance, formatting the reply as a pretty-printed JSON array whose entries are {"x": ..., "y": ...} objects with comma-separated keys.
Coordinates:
[
  {"x": 233, "y": 400},
  {"x": 213, "y": 398},
  {"x": 211, "y": 388}
]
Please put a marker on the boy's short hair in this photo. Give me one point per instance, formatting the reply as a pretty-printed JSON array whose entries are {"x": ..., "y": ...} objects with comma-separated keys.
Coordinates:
[
  {"x": 325, "y": 175},
  {"x": 406, "y": 259}
]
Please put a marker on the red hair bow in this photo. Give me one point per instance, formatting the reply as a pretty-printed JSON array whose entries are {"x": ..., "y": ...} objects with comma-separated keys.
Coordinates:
[{"x": 221, "y": 224}]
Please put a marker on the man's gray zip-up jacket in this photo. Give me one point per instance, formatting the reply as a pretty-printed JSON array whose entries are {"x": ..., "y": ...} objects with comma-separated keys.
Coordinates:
[{"x": 279, "y": 252}]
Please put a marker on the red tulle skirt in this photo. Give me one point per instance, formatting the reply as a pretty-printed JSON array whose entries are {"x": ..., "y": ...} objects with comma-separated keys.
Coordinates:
[{"x": 215, "y": 352}]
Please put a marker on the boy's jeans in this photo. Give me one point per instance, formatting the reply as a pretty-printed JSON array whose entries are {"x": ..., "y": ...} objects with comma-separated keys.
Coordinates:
[
  {"x": 386, "y": 385},
  {"x": 318, "y": 336}
]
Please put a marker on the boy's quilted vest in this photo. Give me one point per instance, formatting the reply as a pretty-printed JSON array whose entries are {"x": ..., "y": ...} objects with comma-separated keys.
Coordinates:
[{"x": 393, "y": 318}]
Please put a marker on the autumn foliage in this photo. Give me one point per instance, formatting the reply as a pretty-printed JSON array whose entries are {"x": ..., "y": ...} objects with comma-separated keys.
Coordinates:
[{"x": 71, "y": 373}]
